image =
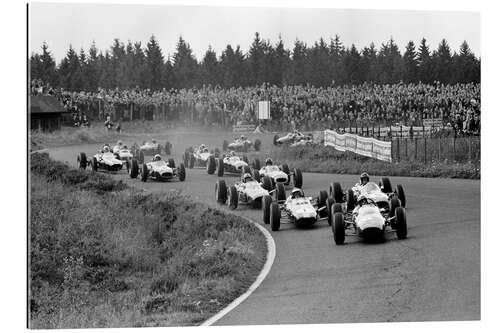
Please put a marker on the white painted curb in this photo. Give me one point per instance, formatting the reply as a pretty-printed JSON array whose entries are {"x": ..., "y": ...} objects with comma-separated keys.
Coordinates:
[{"x": 271, "y": 254}]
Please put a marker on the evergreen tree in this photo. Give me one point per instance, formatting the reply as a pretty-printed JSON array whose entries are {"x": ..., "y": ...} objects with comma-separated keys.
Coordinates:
[
  {"x": 154, "y": 62},
  {"x": 70, "y": 72},
  {"x": 410, "y": 63},
  {"x": 424, "y": 62},
  {"x": 442, "y": 62},
  {"x": 210, "y": 68}
]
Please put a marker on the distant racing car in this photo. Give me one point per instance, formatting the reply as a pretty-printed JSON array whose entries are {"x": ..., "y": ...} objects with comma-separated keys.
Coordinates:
[
  {"x": 297, "y": 209},
  {"x": 241, "y": 144},
  {"x": 289, "y": 138},
  {"x": 371, "y": 218},
  {"x": 105, "y": 159},
  {"x": 278, "y": 174},
  {"x": 201, "y": 157},
  {"x": 232, "y": 164},
  {"x": 158, "y": 169},
  {"x": 151, "y": 148}
]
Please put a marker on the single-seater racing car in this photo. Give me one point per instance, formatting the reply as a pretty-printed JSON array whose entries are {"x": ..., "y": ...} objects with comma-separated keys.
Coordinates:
[
  {"x": 233, "y": 164},
  {"x": 248, "y": 191},
  {"x": 289, "y": 138},
  {"x": 201, "y": 157},
  {"x": 158, "y": 169},
  {"x": 297, "y": 208},
  {"x": 277, "y": 173},
  {"x": 122, "y": 152},
  {"x": 151, "y": 148},
  {"x": 241, "y": 144},
  {"x": 368, "y": 219},
  {"x": 105, "y": 159},
  {"x": 304, "y": 141}
]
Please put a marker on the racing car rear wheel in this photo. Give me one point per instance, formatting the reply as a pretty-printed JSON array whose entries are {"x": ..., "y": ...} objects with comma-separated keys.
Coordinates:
[
  {"x": 181, "y": 172},
  {"x": 267, "y": 183},
  {"x": 297, "y": 178},
  {"x": 144, "y": 173},
  {"x": 81, "y": 160},
  {"x": 266, "y": 208},
  {"x": 220, "y": 167},
  {"x": 221, "y": 191},
  {"x": 275, "y": 216},
  {"x": 275, "y": 140},
  {"x": 401, "y": 195},
  {"x": 286, "y": 170},
  {"x": 336, "y": 192},
  {"x": 256, "y": 175},
  {"x": 393, "y": 204},
  {"x": 93, "y": 163},
  {"x": 280, "y": 192},
  {"x": 401, "y": 227},
  {"x": 256, "y": 164},
  {"x": 134, "y": 169},
  {"x": 322, "y": 197},
  {"x": 338, "y": 228},
  {"x": 171, "y": 163},
  {"x": 233, "y": 197},
  {"x": 257, "y": 144},
  {"x": 385, "y": 185},
  {"x": 211, "y": 165},
  {"x": 351, "y": 201},
  {"x": 224, "y": 145},
  {"x": 329, "y": 203}
]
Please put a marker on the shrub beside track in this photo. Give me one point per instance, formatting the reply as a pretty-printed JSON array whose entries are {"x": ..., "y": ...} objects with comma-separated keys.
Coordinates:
[{"x": 105, "y": 255}]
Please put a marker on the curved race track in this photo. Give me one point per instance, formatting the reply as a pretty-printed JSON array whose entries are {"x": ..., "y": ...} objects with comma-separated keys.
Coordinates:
[{"x": 432, "y": 275}]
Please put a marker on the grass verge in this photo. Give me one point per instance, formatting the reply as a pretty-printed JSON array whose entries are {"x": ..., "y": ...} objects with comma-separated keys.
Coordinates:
[
  {"x": 105, "y": 255},
  {"x": 328, "y": 160}
]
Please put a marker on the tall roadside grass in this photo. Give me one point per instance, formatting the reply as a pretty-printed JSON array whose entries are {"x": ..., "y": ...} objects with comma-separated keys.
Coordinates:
[
  {"x": 328, "y": 160},
  {"x": 104, "y": 255}
]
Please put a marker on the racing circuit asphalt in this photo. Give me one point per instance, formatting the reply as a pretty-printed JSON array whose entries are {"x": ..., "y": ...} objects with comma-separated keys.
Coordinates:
[{"x": 431, "y": 276}]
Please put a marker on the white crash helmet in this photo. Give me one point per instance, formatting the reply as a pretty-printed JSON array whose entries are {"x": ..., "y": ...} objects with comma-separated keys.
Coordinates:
[
  {"x": 119, "y": 143},
  {"x": 246, "y": 177},
  {"x": 157, "y": 157},
  {"x": 297, "y": 193},
  {"x": 106, "y": 149}
]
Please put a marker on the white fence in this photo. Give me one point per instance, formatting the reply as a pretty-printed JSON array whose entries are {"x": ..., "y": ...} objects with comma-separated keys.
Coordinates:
[{"x": 369, "y": 147}]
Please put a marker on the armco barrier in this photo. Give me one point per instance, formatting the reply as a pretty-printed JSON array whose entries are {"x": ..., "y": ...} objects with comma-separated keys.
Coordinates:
[{"x": 369, "y": 147}]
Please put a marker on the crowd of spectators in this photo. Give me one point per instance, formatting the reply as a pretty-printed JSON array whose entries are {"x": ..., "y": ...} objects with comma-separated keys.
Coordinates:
[{"x": 306, "y": 107}]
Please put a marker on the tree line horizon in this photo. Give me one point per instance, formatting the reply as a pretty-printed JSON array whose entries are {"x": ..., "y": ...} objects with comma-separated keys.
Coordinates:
[{"x": 322, "y": 64}]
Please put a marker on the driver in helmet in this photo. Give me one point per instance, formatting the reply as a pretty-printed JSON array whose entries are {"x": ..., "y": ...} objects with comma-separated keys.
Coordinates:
[
  {"x": 246, "y": 178},
  {"x": 118, "y": 146},
  {"x": 157, "y": 158},
  {"x": 242, "y": 138},
  {"x": 297, "y": 193},
  {"x": 363, "y": 180},
  {"x": 231, "y": 153},
  {"x": 269, "y": 161},
  {"x": 105, "y": 148}
]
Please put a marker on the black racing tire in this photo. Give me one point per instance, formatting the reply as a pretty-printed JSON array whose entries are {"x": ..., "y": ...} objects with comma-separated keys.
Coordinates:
[
  {"x": 280, "y": 192},
  {"x": 351, "y": 200},
  {"x": 224, "y": 145},
  {"x": 256, "y": 175},
  {"x": 267, "y": 183},
  {"x": 266, "y": 208},
  {"x": 257, "y": 144},
  {"x": 297, "y": 178},
  {"x": 322, "y": 199},
  {"x": 275, "y": 140},
  {"x": 81, "y": 160},
  {"x": 134, "y": 169},
  {"x": 256, "y": 164},
  {"x": 401, "y": 226},
  {"x": 329, "y": 203},
  {"x": 93, "y": 163},
  {"x": 144, "y": 173},
  {"x": 246, "y": 169},
  {"x": 211, "y": 165},
  {"x": 181, "y": 172},
  {"x": 385, "y": 185},
  {"x": 336, "y": 192},
  {"x": 245, "y": 159},
  {"x": 221, "y": 191},
  {"x": 233, "y": 197},
  {"x": 168, "y": 147},
  {"x": 286, "y": 170},
  {"x": 337, "y": 208},
  {"x": 171, "y": 163},
  {"x": 393, "y": 204},
  {"x": 220, "y": 167},
  {"x": 275, "y": 216},
  {"x": 338, "y": 228},
  {"x": 401, "y": 195}
]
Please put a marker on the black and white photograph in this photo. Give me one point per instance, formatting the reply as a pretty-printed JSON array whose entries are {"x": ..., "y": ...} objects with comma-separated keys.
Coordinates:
[{"x": 241, "y": 164}]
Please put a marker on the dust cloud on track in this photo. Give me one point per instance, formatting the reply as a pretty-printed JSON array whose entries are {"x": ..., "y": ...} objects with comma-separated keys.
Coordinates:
[{"x": 432, "y": 275}]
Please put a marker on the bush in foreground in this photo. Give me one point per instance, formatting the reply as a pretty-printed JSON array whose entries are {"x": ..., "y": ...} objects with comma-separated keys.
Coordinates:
[{"x": 108, "y": 258}]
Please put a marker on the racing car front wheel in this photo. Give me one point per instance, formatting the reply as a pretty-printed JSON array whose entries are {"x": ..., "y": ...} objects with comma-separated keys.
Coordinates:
[
  {"x": 322, "y": 198},
  {"x": 280, "y": 192},
  {"x": 211, "y": 165},
  {"x": 401, "y": 195},
  {"x": 385, "y": 185},
  {"x": 134, "y": 169},
  {"x": 81, "y": 160},
  {"x": 336, "y": 192},
  {"x": 220, "y": 167},
  {"x": 171, "y": 163},
  {"x": 221, "y": 191},
  {"x": 181, "y": 172},
  {"x": 329, "y": 203},
  {"x": 338, "y": 228},
  {"x": 297, "y": 178},
  {"x": 275, "y": 216},
  {"x": 351, "y": 201},
  {"x": 93, "y": 163},
  {"x": 266, "y": 208},
  {"x": 144, "y": 173},
  {"x": 267, "y": 183},
  {"x": 233, "y": 197},
  {"x": 401, "y": 227}
]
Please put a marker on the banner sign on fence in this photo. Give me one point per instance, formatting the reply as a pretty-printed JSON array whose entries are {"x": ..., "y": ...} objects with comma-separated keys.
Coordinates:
[
  {"x": 243, "y": 128},
  {"x": 369, "y": 147},
  {"x": 432, "y": 122},
  {"x": 264, "y": 110}
]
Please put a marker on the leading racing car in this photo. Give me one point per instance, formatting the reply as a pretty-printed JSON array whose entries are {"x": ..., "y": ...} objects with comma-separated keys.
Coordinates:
[
  {"x": 297, "y": 208},
  {"x": 248, "y": 191},
  {"x": 289, "y": 138},
  {"x": 158, "y": 169},
  {"x": 369, "y": 219},
  {"x": 241, "y": 144}
]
